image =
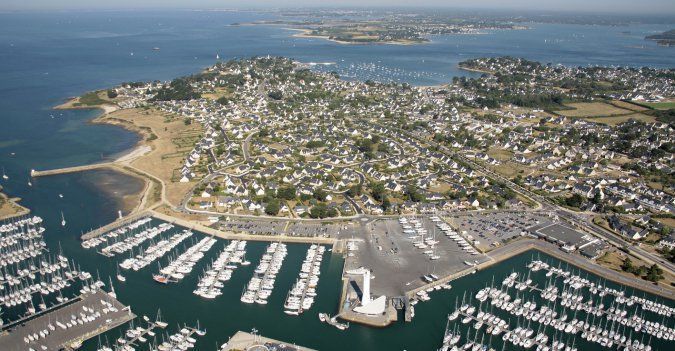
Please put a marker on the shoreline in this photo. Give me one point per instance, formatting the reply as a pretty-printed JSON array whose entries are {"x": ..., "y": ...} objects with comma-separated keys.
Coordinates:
[
  {"x": 474, "y": 70},
  {"x": 16, "y": 209},
  {"x": 129, "y": 202}
]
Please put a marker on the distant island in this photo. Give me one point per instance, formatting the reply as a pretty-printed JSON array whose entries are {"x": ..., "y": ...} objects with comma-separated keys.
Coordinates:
[
  {"x": 402, "y": 28},
  {"x": 665, "y": 39}
]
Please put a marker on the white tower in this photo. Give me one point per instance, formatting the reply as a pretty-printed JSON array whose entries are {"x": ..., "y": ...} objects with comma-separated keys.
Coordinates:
[{"x": 366, "y": 288}]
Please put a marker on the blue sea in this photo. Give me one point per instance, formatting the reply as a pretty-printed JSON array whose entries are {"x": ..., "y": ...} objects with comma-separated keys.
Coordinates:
[{"x": 47, "y": 57}]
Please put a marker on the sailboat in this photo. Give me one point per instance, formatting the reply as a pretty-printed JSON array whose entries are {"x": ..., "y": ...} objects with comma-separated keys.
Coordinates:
[
  {"x": 244, "y": 261},
  {"x": 63, "y": 220},
  {"x": 4, "y": 176},
  {"x": 112, "y": 289},
  {"x": 120, "y": 277},
  {"x": 160, "y": 323},
  {"x": 200, "y": 332}
]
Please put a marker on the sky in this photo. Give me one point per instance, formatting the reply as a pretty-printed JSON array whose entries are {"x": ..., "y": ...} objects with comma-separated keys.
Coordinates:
[{"x": 662, "y": 7}]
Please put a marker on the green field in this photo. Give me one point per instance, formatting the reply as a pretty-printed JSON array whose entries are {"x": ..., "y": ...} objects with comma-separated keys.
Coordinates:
[{"x": 660, "y": 105}]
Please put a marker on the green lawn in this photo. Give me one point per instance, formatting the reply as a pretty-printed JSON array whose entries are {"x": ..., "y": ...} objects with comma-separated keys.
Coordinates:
[{"x": 90, "y": 99}]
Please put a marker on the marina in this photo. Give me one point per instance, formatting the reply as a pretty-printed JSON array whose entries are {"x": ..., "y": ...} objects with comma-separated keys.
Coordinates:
[
  {"x": 47, "y": 302},
  {"x": 113, "y": 234},
  {"x": 220, "y": 270},
  {"x": 132, "y": 240},
  {"x": 135, "y": 336},
  {"x": 155, "y": 251},
  {"x": 569, "y": 311},
  {"x": 301, "y": 297},
  {"x": 260, "y": 287},
  {"x": 183, "y": 264}
]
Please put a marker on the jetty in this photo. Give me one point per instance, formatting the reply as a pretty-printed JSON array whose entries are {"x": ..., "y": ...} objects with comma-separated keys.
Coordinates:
[{"x": 75, "y": 169}]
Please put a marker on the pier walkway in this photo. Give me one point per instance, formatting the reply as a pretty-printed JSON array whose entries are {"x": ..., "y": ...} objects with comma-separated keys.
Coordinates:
[
  {"x": 75, "y": 169},
  {"x": 207, "y": 230},
  {"x": 114, "y": 225}
]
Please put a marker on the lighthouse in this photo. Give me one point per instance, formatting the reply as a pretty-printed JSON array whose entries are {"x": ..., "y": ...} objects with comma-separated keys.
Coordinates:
[{"x": 365, "y": 299}]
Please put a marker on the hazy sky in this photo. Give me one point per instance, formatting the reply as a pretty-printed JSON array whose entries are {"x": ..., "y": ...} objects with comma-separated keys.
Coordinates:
[{"x": 663, "y": 7}]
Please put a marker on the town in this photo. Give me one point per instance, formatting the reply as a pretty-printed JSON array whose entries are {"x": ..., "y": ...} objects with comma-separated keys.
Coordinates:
[{"x": 278, "y": 140}]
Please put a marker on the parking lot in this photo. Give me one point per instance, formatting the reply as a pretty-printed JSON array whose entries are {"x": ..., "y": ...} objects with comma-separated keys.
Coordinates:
[
  {"x": 493, "y": 229},
  {"x": 397, "y": 265},
  {"x": 289, "y": 228}
]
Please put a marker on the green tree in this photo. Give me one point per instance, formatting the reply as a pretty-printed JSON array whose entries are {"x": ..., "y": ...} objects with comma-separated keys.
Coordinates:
[
  {"x": 654, "y": 273},
  {"x": 320, "y": 194},
  {"x": 287, "y": 193},
  {"x": 275, "y": 94},
  {"x": 575, "y": 200},
  {"x": 273, "y": 207},
  {"x": 627, "y": 265},
  {"x": 412, "y": 193},
  {"x": 377, "y": 191},
  {"x": 355, "y": 190},
  {"x": 223, "y": 100},
  {"x": 597, "y": 198},
  {"x": 318, "y": 211}
]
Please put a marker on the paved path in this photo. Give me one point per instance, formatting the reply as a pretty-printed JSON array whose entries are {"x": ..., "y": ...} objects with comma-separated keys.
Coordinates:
[
  {"x": 65, "y": 170},
  {"x": 245, "y": 341}
]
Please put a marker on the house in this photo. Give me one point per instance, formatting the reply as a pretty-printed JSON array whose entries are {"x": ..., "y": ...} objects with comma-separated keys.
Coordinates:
[
  {"x": 205, "y": 204},
  {"x": 300, "y": 210},
  {"x": 345, "y": 208},
  {"x": 668, "y": 242}
]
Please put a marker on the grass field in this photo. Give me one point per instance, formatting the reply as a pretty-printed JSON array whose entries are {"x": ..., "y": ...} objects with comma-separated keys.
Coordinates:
[
  {"x": 667, "y": 221},
  {"x": 614, "y": 120},
  {"x": 661, "y": 105},
  {"x": 500, "y": 154},
  {"x": 509, "y": 169},
  {"x": 628, "y": 105},
  {"x": 592, "y": 109}
]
